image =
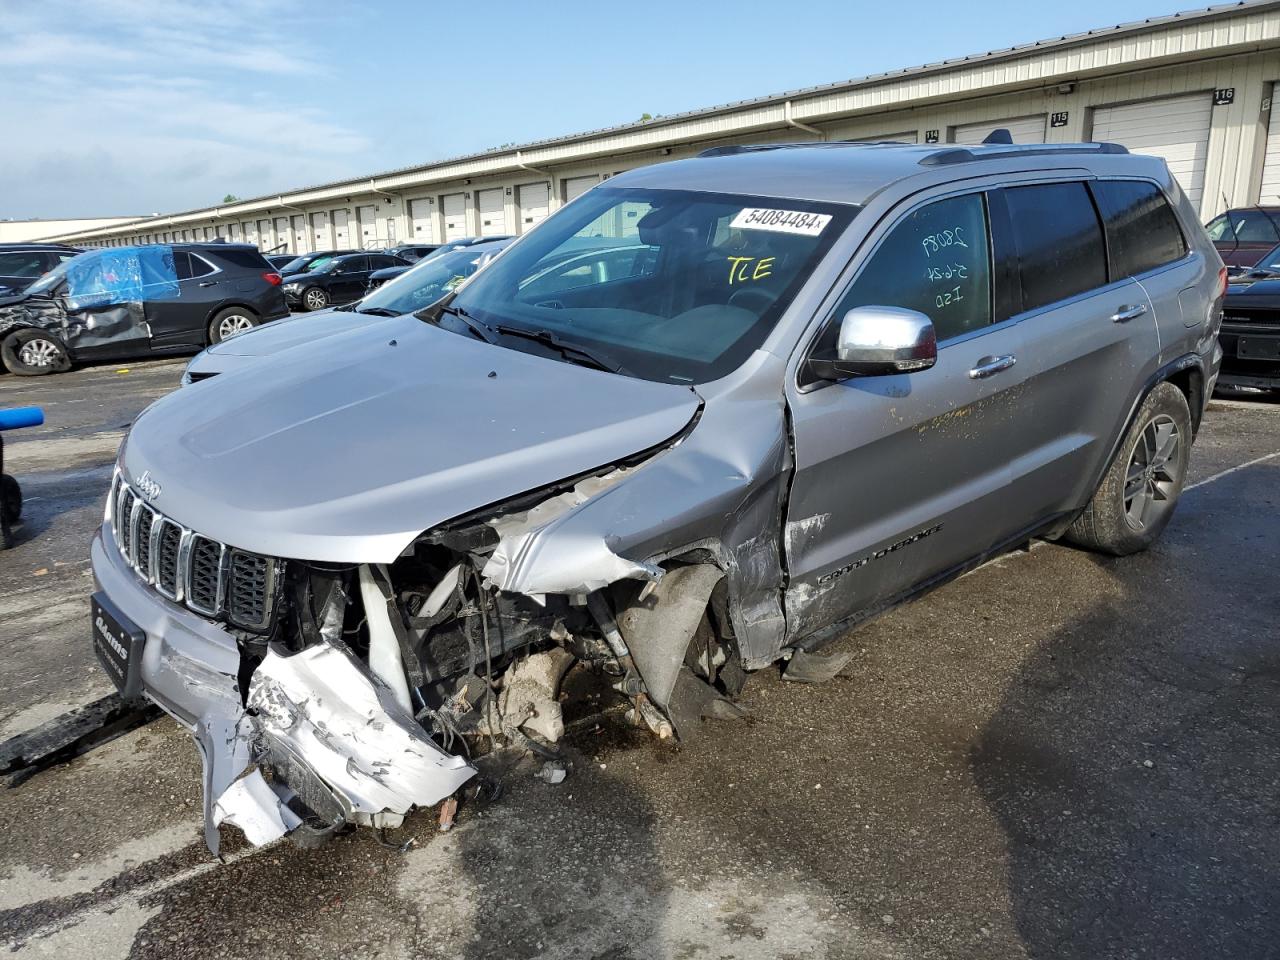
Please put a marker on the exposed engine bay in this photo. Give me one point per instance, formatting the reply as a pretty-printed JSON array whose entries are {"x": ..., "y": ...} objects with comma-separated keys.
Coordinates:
[{"x": 377, "y": 688}]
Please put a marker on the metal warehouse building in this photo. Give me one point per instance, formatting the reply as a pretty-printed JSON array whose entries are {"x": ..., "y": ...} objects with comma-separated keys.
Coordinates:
[{"x": 1195, "y": 88}]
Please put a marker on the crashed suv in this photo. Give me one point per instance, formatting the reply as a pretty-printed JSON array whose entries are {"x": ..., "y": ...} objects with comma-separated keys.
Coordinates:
[{"x": 700, "y": 421}]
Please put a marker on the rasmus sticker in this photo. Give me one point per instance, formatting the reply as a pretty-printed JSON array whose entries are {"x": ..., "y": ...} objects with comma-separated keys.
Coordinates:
[{"x": 781, "y": 221}]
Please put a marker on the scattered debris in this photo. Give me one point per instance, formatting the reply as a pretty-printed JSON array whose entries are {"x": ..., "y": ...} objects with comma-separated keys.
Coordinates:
[
  {"x": 70, "y": 735},
  {"x": 805, "y": 667}
]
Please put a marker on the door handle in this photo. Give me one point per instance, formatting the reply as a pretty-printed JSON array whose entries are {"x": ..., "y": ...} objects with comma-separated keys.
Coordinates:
[
  {"x": 208, "y": 283},
  {"x": 990, "y": 366},
  {"x": 1125, "y": 314}
]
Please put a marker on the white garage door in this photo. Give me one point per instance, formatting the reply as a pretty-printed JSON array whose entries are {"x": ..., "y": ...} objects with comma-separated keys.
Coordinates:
[
  {"x": 250, "y": 232},
  {"x": 454, "y": 208},
  {"x": 283, "y": 238},
  {"x": 534, "y": 201},
  {"x": 1176, "y": 128},
  {"x": 320, "y": 231},
  {"x": 264, "y": 234},
  {"x": 577, "y": 186},
  {"x": 1023, "y": 130},
  {"x": 493, "y": 214},
  {"x": 341, "y": 232},
  {"x": 367, "y": 219},
  {"x": 1270, "y": 192},
  {"x": 420, "y": 220},
  {"x": 298, "y": 229}
]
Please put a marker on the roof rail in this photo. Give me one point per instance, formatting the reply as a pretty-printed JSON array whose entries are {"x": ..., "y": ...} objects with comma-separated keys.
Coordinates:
[{"x": 1002, "y": 151}]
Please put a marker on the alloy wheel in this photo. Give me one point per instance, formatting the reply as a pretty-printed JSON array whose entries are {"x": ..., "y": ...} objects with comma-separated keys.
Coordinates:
[
  {"x": 1151, "y": 481},
  {"x": 315, "y": 299},
  {"x": 39, "y": 353},
  {"x": 235, "y": 324}
]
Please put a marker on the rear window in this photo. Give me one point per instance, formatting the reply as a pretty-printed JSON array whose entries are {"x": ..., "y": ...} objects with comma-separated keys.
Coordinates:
[
  {"x": 1142, "y": 231},
  {"x": 1058, "y": 240},
  {"x": 246, "y": 259}
]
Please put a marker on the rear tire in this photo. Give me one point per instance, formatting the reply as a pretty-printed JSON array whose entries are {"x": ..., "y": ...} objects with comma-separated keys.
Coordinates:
[
  {"x": 231, "y": 322},
  {"x": 315, "y": 298},
  {"x": 1140, "y": 490},
  {"x": 10, "y": 499},
  {"x": 33, "y": 353}
]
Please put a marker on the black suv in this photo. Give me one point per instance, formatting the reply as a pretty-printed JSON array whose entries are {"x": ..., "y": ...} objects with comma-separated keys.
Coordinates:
[
  {"x": 138, "y": 302},
  {"x": 413, "y": 252},
  {"x": 22, "y": 264},
  {"x": 333, "y": 280}
]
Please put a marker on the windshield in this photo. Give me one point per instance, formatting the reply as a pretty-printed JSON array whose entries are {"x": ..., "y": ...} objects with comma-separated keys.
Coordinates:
[
  {"x": 321, "y": 265},
  {"x": 427, "y": 281},
  {"x": 296, "y": 265},
  {"x": 678, "y": 286}
]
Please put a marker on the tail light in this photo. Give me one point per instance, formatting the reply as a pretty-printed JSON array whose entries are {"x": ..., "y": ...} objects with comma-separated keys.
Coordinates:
[{"x": 274, "y": 279}]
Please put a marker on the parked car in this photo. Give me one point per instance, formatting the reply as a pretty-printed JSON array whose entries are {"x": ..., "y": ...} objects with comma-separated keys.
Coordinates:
[
  {"x": 422, "y": 285},
  {"x": 279, "y": 261},
  {"x": 303, "y": 261},
  {"x": 1243, "y": 235},
  {"x": 22, "y": 264},
  {"x": 379, "y": 277},
  {"x": 413, "y": 252},
  {"x": 138, "y": 301},
  {"x": 1250, "y": 336},
  {"x": 333, "y": 280},
  {"x": 820, "y": 380}
]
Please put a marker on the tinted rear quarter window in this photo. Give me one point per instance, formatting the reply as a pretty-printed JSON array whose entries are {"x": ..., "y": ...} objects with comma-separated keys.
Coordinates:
[
  {"x": 244, "y": 259},
  {"x": 1142, "y": 231},
  {"x": 1058, "y": 240}
]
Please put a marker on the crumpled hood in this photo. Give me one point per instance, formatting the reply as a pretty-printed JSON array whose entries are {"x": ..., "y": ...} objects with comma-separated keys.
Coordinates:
[{"x": 362, "y": 440}]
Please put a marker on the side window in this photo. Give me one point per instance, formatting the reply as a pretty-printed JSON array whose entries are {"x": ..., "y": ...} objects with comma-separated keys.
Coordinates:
[
  {"x": 22, "y": 263},
  {"x": 1219, "y": 229},
  {"x": 937, "y": 260},
  {"x": 1142, "y": 231},
  {"x": 1058, "y": 240},
  {"x": 200, "y": 267},
  {"x": 182, "y": 264}
]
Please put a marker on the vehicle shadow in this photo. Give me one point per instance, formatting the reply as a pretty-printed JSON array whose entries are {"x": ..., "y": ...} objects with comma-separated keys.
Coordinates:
[{"x": 1133, "y": 761}]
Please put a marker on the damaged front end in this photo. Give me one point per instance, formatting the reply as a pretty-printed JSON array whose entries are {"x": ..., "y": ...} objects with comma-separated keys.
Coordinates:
[{"x": 326, "y": 694}]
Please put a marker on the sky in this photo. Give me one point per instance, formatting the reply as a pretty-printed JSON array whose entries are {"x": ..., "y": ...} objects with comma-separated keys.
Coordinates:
[{"x": 122, "y": 107}]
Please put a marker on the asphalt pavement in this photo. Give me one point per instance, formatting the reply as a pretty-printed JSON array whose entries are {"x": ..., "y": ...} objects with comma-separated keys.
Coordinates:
[{"x": 1058, "y": 755}]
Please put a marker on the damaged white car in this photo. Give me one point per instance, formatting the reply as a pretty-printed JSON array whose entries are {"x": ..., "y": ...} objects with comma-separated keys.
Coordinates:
[{"x": 699, "y": 421}]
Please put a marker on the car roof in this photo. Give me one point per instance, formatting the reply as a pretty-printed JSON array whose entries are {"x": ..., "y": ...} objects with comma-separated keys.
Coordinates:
[
  {"x": 10, "y": 247},
  {"x": 847, "y": 172}
]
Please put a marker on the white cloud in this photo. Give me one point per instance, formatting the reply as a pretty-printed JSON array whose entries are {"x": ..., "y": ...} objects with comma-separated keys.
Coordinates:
[{"x": 134, "y": 106}]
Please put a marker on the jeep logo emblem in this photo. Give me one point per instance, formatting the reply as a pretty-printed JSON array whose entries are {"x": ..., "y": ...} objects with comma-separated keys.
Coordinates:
[{"x": 149, "y": 488}]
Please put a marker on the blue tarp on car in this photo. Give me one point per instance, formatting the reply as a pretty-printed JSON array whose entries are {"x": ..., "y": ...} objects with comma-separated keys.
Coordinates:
[{"x": 121, "y": 275}]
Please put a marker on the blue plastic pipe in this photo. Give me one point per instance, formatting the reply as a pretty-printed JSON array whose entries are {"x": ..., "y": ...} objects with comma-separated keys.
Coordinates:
[{"x": 21, "y": 417}]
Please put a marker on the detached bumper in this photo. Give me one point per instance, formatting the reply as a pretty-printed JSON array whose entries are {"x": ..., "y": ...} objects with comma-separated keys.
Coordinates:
[{"x": 332, "y": 736}]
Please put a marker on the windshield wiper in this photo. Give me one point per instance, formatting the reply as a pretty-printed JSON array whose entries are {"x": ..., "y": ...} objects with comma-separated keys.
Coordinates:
[
  {"x": 483, "y": 331},
  {"x": 569, "y": 351},
  {"x": 378, "y": 311}
]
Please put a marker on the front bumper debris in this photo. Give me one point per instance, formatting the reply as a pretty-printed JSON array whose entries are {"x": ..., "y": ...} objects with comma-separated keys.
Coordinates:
[{"x": 317, "y": 732}]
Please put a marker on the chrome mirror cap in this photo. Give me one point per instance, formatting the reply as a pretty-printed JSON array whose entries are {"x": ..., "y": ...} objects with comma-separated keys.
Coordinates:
[{"x": 879, "y": 341}]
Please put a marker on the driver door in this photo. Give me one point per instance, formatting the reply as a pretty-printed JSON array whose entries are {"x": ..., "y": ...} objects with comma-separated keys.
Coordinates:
[{"x": 900, "y": 478}]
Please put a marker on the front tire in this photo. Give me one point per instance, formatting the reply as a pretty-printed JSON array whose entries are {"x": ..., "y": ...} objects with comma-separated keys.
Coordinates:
[
  {"x": 1139, "y": 492},
  {"x": 33, "y": 353},
  {"x": 231, "y": 322},
  {"x": 315, "y": 298}
]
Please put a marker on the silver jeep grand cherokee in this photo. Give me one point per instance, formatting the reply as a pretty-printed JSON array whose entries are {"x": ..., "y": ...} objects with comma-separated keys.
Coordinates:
[{"x": 705, "y": 418}]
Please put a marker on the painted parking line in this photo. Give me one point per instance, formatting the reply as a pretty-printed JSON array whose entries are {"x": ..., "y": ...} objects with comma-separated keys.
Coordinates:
[{"x": 1230, "y": 470}]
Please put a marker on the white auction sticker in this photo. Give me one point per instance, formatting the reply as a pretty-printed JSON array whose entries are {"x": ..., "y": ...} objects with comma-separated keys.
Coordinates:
[{"x": 781, "y": 221}]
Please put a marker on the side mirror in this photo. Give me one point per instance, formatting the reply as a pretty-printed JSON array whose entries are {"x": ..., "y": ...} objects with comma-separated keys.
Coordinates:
[{"x": 879, "y": 341}]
